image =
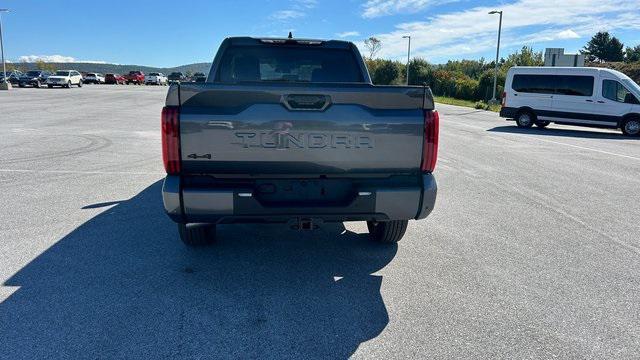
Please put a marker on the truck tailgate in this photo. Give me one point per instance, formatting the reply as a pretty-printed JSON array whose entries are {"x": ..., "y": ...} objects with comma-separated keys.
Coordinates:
[{"x": 302, "y": 129}]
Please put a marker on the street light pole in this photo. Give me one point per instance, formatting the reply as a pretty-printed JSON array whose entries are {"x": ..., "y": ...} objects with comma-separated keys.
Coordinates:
[
  {"x": 495, "y": 75},
  {"x": 408, "y": 55},
  {"x": 4, "y": 85}
]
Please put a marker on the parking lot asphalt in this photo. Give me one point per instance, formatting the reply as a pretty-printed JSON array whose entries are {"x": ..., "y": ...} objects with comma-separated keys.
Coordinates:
[{"x": 533, "y": 250}]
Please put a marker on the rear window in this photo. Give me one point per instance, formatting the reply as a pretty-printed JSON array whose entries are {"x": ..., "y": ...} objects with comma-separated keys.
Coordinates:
[
  {"x": 153, "y": 74},
  {"x": 288, "y": 64},
  {"x": 575, "y": 85}
]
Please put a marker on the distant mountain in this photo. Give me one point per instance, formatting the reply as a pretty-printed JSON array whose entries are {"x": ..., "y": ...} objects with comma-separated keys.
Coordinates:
[{"x": 116, "y": 68}]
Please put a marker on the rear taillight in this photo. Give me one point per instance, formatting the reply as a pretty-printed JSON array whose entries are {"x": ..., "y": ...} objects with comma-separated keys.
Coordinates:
[
  {"x": 430, "y": 143},
  {"x": 504, "y": 99},
  {"x": 171, "y": 139}
]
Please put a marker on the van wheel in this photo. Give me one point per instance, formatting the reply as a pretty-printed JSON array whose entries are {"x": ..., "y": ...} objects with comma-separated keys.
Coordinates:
[
  {"x": 388, "y": 232},
  {"x": 542, "y": 124},
  {"x": 197, "y": 234},
  {"x": 525, "y": 119},
  {"x": 631, "y": 127}
]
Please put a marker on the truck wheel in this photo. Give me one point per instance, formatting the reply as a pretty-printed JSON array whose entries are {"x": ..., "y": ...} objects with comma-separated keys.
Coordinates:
[
  {"x": 197, "y": 234},
  {"x": 631, "y": 127},
  {"x": 525, "y": 119},
  {"x": 388, "y": 232}
]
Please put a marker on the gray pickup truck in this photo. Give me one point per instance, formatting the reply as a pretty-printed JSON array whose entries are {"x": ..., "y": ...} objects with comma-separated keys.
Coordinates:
[{"x": 293, "y": 131}]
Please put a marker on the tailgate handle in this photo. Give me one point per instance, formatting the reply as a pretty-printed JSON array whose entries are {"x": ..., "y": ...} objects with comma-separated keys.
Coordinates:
[{"x": 306, "y": 102}]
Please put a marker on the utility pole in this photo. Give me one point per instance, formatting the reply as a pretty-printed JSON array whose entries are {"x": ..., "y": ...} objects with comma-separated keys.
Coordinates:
[
  {"x": 495, "y": 75},
  {"x": 4, "y": 85},
  {"x": 408, "y": 55}
]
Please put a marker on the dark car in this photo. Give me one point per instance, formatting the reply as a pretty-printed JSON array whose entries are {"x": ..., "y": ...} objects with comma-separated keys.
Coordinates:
[
  {"x": 199, "y": 77},
  {"x": 306, "y": 139},
  {"x": 176, "y": 77},
  {"x": 34, "y": 78},
  {"x": 13, "y": 76},
  {"x": 114, "y": 79}
]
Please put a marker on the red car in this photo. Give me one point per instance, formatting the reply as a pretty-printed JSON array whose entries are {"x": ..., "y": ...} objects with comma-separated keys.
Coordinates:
[
  {"x": 115, "y": 79},
  {"x": 135, "y": 77}
]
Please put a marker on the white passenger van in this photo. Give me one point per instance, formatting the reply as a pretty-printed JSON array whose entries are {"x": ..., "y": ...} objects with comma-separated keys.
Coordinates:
[{"x": 583, "y": 96}]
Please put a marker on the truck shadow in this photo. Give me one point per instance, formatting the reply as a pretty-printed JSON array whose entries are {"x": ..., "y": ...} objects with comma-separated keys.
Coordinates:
[
  {"x": 122, "y": 285},
  {"x": 578, "y": 133}
]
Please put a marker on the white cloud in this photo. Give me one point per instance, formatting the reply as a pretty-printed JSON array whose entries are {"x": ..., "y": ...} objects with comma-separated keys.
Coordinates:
[
  {"x": 306, "y": 4},
  {"x": 377, "y": 8},
  {"x": 525, "y": 22},
  {"x": 46, "y": 58},
  {"x": 55, "y": 59},
  {"x": 287, "y": 15},
  {"x": 298, "y": 9},
  {"x": 568, "y": 34},
  {"x": 347, "y": 34}
]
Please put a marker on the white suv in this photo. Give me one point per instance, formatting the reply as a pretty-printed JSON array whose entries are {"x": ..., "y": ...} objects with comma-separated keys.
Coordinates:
[
  {"x": 65, "y": 78},
  {"x": 94, "y": 78},
  {"x": 156, "y": 79}
]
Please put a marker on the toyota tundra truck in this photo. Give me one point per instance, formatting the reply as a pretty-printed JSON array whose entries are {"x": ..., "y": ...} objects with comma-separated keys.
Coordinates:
[{"x": 293, "y": 131}]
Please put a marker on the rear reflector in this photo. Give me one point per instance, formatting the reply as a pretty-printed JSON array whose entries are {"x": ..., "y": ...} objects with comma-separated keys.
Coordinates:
[
  {"x": 171, "y": 139},
  {"x": 430, "y": 143}
]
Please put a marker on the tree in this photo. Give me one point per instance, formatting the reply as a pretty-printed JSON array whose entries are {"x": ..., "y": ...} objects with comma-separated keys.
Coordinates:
[
  {"x": 41, "y": 65},
  {"x": 632, "y": 54},
  {"x": 420, "y": 72},
  {"x": 525, "y": 57},
  {"x": 603, "y": 47},
  {"x": 386, "y": 72},
  {"x": 372, "y": 45}
]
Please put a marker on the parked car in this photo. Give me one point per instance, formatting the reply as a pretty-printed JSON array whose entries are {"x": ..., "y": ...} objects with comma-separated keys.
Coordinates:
[
  {"x": 155, "y": 79},
  {"x": 65, "y": 78},
  {"x": 176, "y": 77},
  {"x": 13, "y": 76},
  {"x": 267, "y": 140},
  {"x": 34, "y": 78},
  {"x": 94, "y": 78},
  {"x": 114, "y": 79},
  {"x": 582, "y": 96},
  {"x": 135, "y": 77},
  {"x": 199, "y": 77}
]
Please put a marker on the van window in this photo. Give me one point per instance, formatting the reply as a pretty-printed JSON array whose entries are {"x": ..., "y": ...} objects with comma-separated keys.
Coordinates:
[
  {"x": 613, "y": 90},
  {"x": 538, "y": 84},
  {"x": 574, "y": 85},
  {"x": 554, "y": 84}
]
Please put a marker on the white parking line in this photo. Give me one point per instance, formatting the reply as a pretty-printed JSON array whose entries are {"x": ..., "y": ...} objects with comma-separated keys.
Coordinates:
[
  {"x": 558, "y": 143},
  {"x": 80, "y": 172}
]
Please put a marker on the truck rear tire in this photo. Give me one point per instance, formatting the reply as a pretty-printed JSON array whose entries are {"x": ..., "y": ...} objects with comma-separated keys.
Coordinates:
[
  {"x": 197, "y": 234},
  {"x": 387, "y": 232}
]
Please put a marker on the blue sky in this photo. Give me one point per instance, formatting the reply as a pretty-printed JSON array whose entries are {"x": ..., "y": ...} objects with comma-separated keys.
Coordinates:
[{"x": 170, "y": 33}]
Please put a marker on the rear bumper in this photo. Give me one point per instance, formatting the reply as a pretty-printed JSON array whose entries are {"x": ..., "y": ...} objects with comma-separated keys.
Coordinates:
[
  {"x": 508, "y": 112},
  {"x": 189, "y": 205}
]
